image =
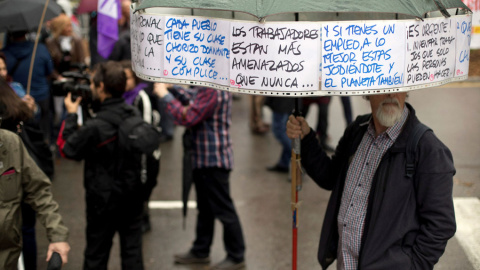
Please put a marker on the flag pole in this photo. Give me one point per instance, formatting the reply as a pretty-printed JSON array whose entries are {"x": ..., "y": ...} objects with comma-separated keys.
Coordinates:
[
  {"x": 37, "y": 37},
  {"x": 296, "y": 186}
]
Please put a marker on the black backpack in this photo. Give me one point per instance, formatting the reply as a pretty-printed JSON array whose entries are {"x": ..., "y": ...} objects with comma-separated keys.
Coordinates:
[
  {"x": 134, "y": 134},
  {"x": 412, "y": 143}
]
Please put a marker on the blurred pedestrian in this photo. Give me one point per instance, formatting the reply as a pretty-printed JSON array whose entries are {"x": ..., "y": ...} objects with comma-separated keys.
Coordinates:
[
  {"x": 136, "y": 94},
  {"x": 65, "y": 48},
  {"x": 208, "y": 115},
  {"x": 18, "y": 116},
  {"x": 18, "y": 54},
  {"x": 17, "y": 87},
  {"x": 121, "y": 49},
  {"x": 111, "y": 175},
  {"x": 322, "y": 119},
  {"x": 23, "y": 182},
  {"x": 68, "y": 54},
  {"x": 281, "y": 109},
  {"x": 257, "y": 125}
]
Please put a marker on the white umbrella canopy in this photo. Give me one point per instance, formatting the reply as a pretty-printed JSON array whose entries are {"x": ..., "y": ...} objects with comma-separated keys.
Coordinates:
[
  {"x": 264, "y": 8},
  {"x": 243, "y": 69}
]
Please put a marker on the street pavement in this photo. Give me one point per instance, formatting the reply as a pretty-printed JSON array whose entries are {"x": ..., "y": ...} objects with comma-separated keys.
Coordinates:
[{"x": 262, "y": 198}]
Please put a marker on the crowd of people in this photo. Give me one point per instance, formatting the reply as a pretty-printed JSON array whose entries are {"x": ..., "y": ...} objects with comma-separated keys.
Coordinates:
[{"x": 378, "y": 216}]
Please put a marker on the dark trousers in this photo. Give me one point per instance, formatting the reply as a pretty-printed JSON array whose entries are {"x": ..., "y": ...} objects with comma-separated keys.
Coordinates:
[
  {"x": 126, "y": 219},
  {"x": 29, "y": 247},
  {"x": 347, "y": 109},
  {"x": 279, "y": 127},
  {"x": 214, "y": 201},
  {"x": 45, "y": 118},
  {"x": 322, "y": 119}
]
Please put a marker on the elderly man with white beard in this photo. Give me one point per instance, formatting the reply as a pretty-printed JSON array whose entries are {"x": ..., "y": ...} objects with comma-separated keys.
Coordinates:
[{"x": 379, "y": 216}]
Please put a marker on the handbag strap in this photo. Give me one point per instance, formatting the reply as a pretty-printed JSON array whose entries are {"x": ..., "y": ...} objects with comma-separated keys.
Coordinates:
[{"x": 15, "y": 67}]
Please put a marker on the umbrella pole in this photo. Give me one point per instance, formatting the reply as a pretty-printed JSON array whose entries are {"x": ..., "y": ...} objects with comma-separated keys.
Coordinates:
[
  {"x": 37, "y": 37},
  {"x": 296, "y": 186}
]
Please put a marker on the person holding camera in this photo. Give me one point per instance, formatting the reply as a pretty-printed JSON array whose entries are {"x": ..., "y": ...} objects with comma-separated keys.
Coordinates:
[
  {"x": 68, "y": 54},
  {"x": 112, "y": 180}
]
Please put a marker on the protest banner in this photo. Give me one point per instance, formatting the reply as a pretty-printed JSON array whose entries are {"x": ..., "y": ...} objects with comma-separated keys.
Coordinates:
[
  {"x": 196, "y": 48},
  {"x": 362, "y": 55},
  {"x": 430, "y": 51},
  {"x": 474, "y": 5},
  {"x": 146, "y": 33},
  {"x": 462, "y": 46},
  {"x": 274, "y": 56},
  {"x": 304, "y": 58}
]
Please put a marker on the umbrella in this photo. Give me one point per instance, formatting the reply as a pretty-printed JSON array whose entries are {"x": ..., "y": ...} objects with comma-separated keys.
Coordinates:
[
  {"x": 25, "y": 15},
  {"x": 187, "y": 178},
  {"x": 264, "y": 8},
  {"x": 87, "y": 6},
  {"x": 254, "y": 39}
]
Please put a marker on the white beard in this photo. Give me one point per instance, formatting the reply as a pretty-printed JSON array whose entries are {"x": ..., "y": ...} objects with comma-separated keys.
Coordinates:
[{"x": 388, "y": 115}]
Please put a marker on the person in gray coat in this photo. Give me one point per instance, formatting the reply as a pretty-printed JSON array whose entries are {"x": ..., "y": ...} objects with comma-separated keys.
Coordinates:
[
  {"x": 377, "y": 216},
  {"x": 22, "y": 180}
]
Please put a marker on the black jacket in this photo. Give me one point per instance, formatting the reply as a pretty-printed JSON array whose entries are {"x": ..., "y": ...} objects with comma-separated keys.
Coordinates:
[
  {"x": 109, "y": 178},
  {"x": 408, "y": 221}
]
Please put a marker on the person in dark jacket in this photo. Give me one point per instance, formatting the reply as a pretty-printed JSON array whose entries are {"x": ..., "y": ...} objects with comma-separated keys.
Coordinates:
[
  {"x": 377, "y": 217},
  {"x": 111, "y": 176},
  {"x": 146, "y": 102},
  {"x": 18, "y": 53}
]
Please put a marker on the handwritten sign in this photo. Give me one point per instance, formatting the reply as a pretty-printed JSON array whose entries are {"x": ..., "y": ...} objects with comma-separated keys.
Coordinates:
[
  {"x": 197, "y": 48},
  {"x": 462, "y": 47},
  {"x": 146, "y": 32},
  {"x": 291, "y": 57},
  {"x": 362, "y": 55},
  {"x": 277, "y": 56},
  {"x": 430, "y": 51}
]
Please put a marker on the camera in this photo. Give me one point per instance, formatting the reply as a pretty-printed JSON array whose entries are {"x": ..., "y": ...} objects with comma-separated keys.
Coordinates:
[{"x": 76, "y": 82}]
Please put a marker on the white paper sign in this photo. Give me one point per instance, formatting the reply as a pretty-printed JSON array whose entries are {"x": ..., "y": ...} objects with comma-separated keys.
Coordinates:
[
  {"x": 134, "y": 43},
  {"x": 293, "y": 57},
  {"x": 197, "y": 48},
  {"x": 464, "y": 37},
  {"x": 362, "y": 55},
  {"x": 430, "y": 51},
  {"x": 146, "y": 33},
  {"x": 277, "y": 56}
]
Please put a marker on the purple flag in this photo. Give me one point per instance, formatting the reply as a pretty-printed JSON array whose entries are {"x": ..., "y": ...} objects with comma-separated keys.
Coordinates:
[{"x": 109, "y": 11}]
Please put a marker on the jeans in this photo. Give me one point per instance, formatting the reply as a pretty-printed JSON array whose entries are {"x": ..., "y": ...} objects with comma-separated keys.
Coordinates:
[{"x": 279, "y": 123}]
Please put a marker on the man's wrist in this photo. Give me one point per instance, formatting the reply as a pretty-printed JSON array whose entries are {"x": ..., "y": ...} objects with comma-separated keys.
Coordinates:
[{"x": 168, "y": 97}]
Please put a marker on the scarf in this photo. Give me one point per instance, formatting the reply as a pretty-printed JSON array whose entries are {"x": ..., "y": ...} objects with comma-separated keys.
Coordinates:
[{"x": 130, "y": 96}]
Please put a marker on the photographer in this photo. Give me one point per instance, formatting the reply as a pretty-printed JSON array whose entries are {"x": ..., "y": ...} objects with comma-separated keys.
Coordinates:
[{"x": 112, "y": 180}]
